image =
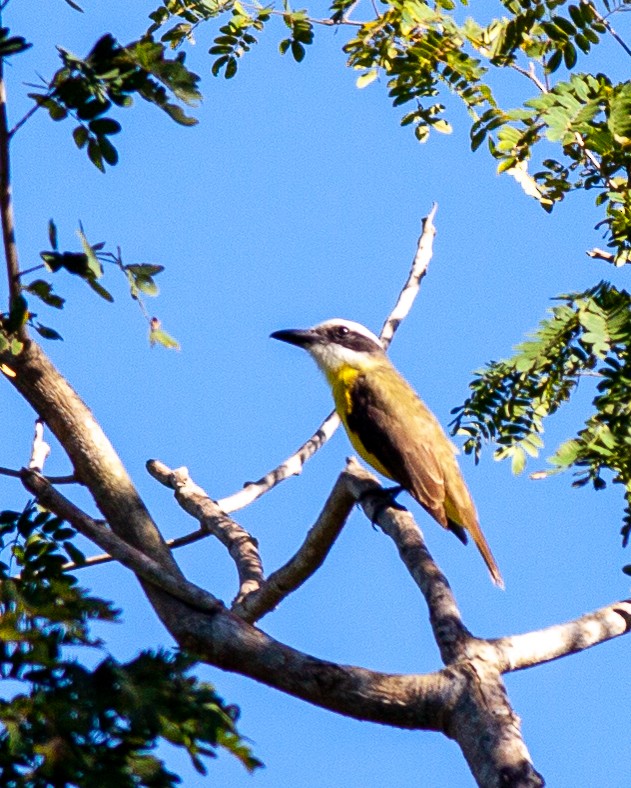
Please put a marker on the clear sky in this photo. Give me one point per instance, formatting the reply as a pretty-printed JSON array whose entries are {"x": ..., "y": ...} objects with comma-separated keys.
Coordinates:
[{"x": 298, "y": 198}]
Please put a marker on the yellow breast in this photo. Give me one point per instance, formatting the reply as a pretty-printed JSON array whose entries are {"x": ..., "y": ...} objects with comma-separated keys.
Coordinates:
[{"x": 342, "y": 381}]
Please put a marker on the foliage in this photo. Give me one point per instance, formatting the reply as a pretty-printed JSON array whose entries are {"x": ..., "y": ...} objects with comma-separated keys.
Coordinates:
[
  {"x": 71, "y": 724},
  {"x": 588, "y": 334},
  {"x": 86, "y": 89},
  {"x": 88, "y": 265}
]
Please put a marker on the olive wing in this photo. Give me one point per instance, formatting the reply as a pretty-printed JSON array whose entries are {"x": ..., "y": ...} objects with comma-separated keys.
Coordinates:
[{"x": 403, "y": 435}]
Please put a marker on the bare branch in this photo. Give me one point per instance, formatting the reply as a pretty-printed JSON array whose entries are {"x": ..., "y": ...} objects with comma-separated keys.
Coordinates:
[
  {"x": 307, "y": 559},
  {"x": 534, "y": 648},
  {"x": 601, "y": 254},
  {"x": 94, "y": 460},
  {"x": 6, "y": 201},
  {"x": 52, "y": 479},
  {"x": 530, "y": 74},
  {"x": 105, "y": 558},
  {"x": 293, "y": 465},
  {"x": 21, "y": 123},
  {"x": 242, "y": 547},
  {"x": 450, "y": 633},
  {"x": 129, "y": 556},
  {"x": 412, "y": 286},
  {"x": 612, "y": 32},
  {"x": 39, "y": 449}
]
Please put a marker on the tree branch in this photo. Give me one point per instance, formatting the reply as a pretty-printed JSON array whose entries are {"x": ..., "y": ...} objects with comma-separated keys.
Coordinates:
[
  {"x": 241, "y": 545},
  {"x": 535, "y": 648},
  {"x": 6, "y": 203},
  {"x": 450, "y": 633},
  {"x": 309, "y": 557},
  {"x": 129, "y": 556},
  {"x": 420, "y": 264}
]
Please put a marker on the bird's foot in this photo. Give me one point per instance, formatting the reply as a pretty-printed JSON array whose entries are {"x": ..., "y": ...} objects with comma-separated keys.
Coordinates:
[{"x": 387, "y": 496}]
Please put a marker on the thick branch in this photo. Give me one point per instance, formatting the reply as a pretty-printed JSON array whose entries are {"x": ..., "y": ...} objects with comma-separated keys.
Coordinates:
[
  {"x": 241, "y": 545},
  {"x": 422, "y": 702},
  {"x": 95, "y": 462},
  {"x": 535, "y": 648},
  {"x": 129, "y": 556},
  {"x": 451, "y": 635}
]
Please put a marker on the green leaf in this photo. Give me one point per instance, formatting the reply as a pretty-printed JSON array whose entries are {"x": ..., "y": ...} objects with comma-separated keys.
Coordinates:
[
  {"x": 101, "y": 126},
  {"x": 100, "y": 290},
  {"x": 47, "y": 333},
  {"x": 366, "y": 79},
  {"x": 108, "y": 151},
  {"x": 52, "y": 234},
  {"x": 95, "y": 155},
  {"x": 74, "y": 553},
  {"x": 95, "y": 269},
  {"x": 80, "y": 135},
  {"x": 11, "y": 45},
  {"x": 619, "y": 121},
  {"x": 518, "y": 461},
  {"x": 298, "y": 51},
  {"x": 44, "y": 291},
  {"x": 160, "y": 337}
]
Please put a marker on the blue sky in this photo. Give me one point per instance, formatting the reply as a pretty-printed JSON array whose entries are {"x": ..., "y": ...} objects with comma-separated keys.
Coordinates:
[{"x": 298, "y": 198}]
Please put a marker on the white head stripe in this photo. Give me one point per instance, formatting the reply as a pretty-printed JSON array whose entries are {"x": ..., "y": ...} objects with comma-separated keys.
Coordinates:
[{"x": 352, "y": 326}]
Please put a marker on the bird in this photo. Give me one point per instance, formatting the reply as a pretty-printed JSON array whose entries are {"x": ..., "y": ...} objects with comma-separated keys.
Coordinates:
[{"x": 390, "y": 427}]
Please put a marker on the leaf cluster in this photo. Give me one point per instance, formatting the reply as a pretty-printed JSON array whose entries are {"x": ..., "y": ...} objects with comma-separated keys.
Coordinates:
[
  {"x": 86, "y": 89},
  {"x": 73, "y": 725},
  {"x": 588, "y": 334},
  {"x": 235, "y": 38},
  {"x": 88, "y": 265},
  {"x": 420, "y": 48}
]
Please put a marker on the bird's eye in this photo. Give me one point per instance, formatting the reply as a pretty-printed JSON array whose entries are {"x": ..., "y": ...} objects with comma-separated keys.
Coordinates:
[{"x": 341, "y": 331}]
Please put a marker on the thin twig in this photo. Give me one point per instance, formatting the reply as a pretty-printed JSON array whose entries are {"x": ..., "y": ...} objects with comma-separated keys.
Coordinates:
[
  {"x": 531, "y": 75},
  {"x": 308, "y": 558},
  {"x": 105, "y": 558},
  {"x": 293, "y": 465},
  {"x": 31, "y": 270},
  {"x": 610, "y": 29},
  {"x": 601, "y": 254},
  {"x": 6, "y": 203},
  {"x": 142, "y": 565},
  {"x": 24, "y": 119},
  {"x": 326, "y": 22},
  {"x": 52, "y": 479},
  {"x": 420, "y": 264}
]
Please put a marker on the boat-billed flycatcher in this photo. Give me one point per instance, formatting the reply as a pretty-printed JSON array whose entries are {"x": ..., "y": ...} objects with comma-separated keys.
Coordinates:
[{"x": 390, "y": 427}]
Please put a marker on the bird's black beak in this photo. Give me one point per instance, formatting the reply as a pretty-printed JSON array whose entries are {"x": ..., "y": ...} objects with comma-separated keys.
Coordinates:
[{"x": 302, "y": 337}]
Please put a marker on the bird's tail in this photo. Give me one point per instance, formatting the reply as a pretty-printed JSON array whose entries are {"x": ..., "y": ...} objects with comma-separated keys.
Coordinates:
[{"x": 485, "y": 550}]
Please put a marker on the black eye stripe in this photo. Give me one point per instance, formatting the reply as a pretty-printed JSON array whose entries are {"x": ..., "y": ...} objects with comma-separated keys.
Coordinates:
[{"x": 346, "y": 337}]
